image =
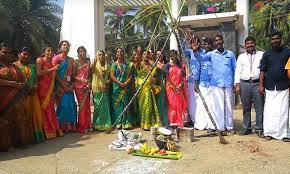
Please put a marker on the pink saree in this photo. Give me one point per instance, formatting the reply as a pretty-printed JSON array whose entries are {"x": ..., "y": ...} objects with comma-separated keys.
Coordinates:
[
  {"x": 83, "y": 96},
  {"x": 177, "y": 102}
]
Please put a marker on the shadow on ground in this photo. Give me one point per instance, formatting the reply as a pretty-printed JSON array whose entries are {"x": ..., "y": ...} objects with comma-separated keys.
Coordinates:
[{"x": 69, "y": 141}]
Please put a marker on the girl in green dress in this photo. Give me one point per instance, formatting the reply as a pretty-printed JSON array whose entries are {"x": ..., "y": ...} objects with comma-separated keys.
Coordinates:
[{"x": 100, "y": 87}]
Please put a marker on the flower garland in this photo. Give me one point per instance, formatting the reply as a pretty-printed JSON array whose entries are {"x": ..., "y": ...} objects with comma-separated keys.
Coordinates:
[{"x": 261, "y": 3}]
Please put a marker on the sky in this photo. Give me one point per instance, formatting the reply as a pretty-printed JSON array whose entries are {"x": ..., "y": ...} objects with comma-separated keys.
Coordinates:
[{"x": 60, "y": 2}]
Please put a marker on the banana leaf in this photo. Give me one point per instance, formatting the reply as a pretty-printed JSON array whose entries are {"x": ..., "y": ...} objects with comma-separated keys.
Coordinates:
[{"x": 176, "y": 156}]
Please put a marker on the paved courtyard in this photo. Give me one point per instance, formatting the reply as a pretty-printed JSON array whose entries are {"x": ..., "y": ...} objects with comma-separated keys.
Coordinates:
[{"x": 88, "y": 154}]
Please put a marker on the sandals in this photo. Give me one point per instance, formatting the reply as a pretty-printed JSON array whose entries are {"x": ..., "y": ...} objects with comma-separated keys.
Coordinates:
[
  {"x": 286, "y": 139},
  {"x": 268, "y": 138}
]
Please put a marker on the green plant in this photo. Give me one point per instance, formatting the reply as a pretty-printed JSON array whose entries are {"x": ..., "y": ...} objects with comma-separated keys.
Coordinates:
[
  {"x": 164, "y": 9},
  {"x": 267, "y": 16}
]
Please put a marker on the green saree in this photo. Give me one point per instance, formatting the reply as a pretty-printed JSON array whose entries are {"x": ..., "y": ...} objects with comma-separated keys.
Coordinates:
[
  {"x": 102, "y": 116},
  {"x": 120, "y": 96},
  {"x": 146, "y": 100}
]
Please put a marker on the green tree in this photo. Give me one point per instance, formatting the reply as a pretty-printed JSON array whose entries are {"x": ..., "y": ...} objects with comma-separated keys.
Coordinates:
[
  {"x": 163, "y": 9},
  {"x": 32, "y": 23},
  {"x": 115, "y": 23},
  {"x": 267, "y": 16},
  {"x": 151, "y": 21},
  {"x": 115, "y": 33},
  {"x": 149, "y": 24}
]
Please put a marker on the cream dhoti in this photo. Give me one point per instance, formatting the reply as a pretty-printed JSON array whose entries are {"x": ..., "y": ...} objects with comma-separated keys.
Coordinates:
[
  {"x": 276, "y": 114},
  {"x": 191, "y": 102},
  {"x": 222, "y": 107},
  {"x": 202, "y": 120}
]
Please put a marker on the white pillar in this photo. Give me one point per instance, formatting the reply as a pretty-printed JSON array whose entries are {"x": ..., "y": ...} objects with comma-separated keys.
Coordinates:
[
  {"x": 175, "y": 4},
  {"x": 243, "y": 9},
  {"x": 99, "y": 25},
  {"x": 83, "y": 25}
]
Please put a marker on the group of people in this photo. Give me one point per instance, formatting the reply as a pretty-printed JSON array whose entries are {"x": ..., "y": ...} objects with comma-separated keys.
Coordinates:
[
  {"x": 51, "y": 96},
  {"x": 44, "y": 99},
  {"x": 261, "y": 78}
]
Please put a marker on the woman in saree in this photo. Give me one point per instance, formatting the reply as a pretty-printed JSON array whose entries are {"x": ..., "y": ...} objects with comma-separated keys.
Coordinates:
[
  {"x": 12, "y": 113},
  {"x": 82, "y": 90},
  {"x": 133, "y": 67},
  {"x": 146, "y": 99},
  {"x": 119, "y": 74},
  {"x": 46, "y": 77},
  {"x": 176, "y": 95},
  {"x": 100, "y": 87},
  {"x": 161, "y": 99},
  {"x": 32, "y": 101},
  {"x": 65, "y": 101}
]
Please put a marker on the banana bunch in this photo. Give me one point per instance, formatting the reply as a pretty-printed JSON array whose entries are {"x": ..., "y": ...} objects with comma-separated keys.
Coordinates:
[
  {"x": 147, "y": 150},
  {"x": 153, "y": 151}
]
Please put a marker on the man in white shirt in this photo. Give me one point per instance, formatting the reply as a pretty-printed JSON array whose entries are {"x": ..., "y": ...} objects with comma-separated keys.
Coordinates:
[{"x": 247, "y": 83}]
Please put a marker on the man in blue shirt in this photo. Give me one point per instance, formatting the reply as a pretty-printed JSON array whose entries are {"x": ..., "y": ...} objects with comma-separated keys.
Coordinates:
[
  {"x": 186, "y": 42},
  {"x": 194, "y": 70},
  {"x": 202, "y": 120},
  {"x": 222, "y": 81}
]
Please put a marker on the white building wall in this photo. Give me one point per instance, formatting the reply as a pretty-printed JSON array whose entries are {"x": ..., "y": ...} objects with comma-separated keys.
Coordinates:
[{"x": 83, "y": 24}]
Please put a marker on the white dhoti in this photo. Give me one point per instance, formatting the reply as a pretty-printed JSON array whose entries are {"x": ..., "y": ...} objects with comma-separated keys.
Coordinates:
[
  {"x": 222, "y": 107},
  {"x": 202, "y": 120},
  {"x": 191, "y": 102},
  {"x": 276, "y": 114}
]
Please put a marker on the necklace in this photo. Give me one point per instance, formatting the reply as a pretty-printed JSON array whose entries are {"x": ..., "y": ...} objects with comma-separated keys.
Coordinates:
[
  {"x": 120, "y": 67},
  {"x": 103, "y": 70},
  {"x": 25, "y": 69}
]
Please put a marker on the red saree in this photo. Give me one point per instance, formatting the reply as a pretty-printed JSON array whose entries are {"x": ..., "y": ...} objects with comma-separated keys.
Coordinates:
[
  {"x": 177, "y": 102},
  {"x": 45, "y": 90},
  {"x": 83, "y": 96}
]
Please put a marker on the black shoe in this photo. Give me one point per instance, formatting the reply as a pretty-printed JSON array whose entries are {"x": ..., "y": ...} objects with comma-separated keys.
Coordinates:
[
  {"x": 260, "y": 133},
  {"x": 245, "y": 132}
]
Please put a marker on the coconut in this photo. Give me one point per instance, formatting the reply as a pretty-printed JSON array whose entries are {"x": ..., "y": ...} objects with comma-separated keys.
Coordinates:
[{"x": 130, "y": 149}]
